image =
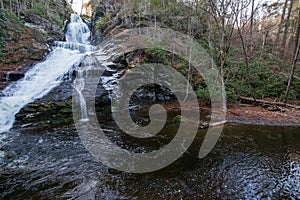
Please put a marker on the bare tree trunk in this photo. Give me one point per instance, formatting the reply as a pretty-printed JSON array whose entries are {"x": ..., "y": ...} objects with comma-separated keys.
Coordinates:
[
  {"x": 18, "y": 8},
  {"x": 286, "y": 28},
  {"x": 251, "y": 26},
  {"x": 295, "y": 59},
  {"x": 247, "y": 77},
  {"x": 264, "y": 32},
  {"x": 1, "y": 4},
  {"x": 210, "y": 33},
  {"x": 10, "y": 6},
  {"x": 241, "y": 16},
  {"x": 281, "y": 22},
  {"x": 190, "y": 59}
]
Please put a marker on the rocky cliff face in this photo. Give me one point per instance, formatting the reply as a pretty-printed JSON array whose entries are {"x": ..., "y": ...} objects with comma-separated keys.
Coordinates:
[
  {"x": 25, "y": 36},
  {"x": 112, "y": 17}
]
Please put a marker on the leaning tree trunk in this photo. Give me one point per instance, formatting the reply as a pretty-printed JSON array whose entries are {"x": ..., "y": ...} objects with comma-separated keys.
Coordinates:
[{"x": 295, "y": 59}]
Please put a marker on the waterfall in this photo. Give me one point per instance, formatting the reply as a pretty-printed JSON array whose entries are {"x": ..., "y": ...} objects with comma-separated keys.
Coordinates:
[
  {"x": 79, "y": 87},
  {"x": 78, "y": 31},
  {"x": 46, "y": 75}
]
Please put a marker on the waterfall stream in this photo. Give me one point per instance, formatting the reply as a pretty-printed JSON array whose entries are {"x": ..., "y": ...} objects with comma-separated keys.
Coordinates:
[{"x": 46, "y": 75}]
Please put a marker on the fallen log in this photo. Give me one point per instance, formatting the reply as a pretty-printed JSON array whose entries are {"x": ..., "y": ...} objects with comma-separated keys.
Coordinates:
[
  {"x": 218, "y": 123},
  {"x": 249, "y": 99},
  {"x": 206, "y": 125}
]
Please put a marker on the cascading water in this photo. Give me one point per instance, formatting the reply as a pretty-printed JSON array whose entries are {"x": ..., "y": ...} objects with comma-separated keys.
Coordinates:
[
  {"x": 78, "y": 31},
  {"x": 44, "y": 76}
]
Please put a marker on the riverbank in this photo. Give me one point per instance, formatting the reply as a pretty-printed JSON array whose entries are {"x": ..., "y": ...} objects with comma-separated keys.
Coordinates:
[
  {"x": 258, "y": 115},
  {"x": 249, "y": 114}
]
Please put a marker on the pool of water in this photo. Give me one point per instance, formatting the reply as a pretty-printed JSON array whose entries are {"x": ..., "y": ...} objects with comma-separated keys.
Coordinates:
[{"x": 248, "y": 162}]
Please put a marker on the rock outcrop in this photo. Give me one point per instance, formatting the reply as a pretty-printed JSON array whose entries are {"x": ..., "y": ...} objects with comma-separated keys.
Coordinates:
[{"x": 112, "y": 17}]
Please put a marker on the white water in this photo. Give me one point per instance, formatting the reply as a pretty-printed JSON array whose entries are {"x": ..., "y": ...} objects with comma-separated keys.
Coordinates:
[
  {"x": 44, "y": 76},
  {"x": 78, "y": 31},
  {"x": 79, "y": 87}
]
